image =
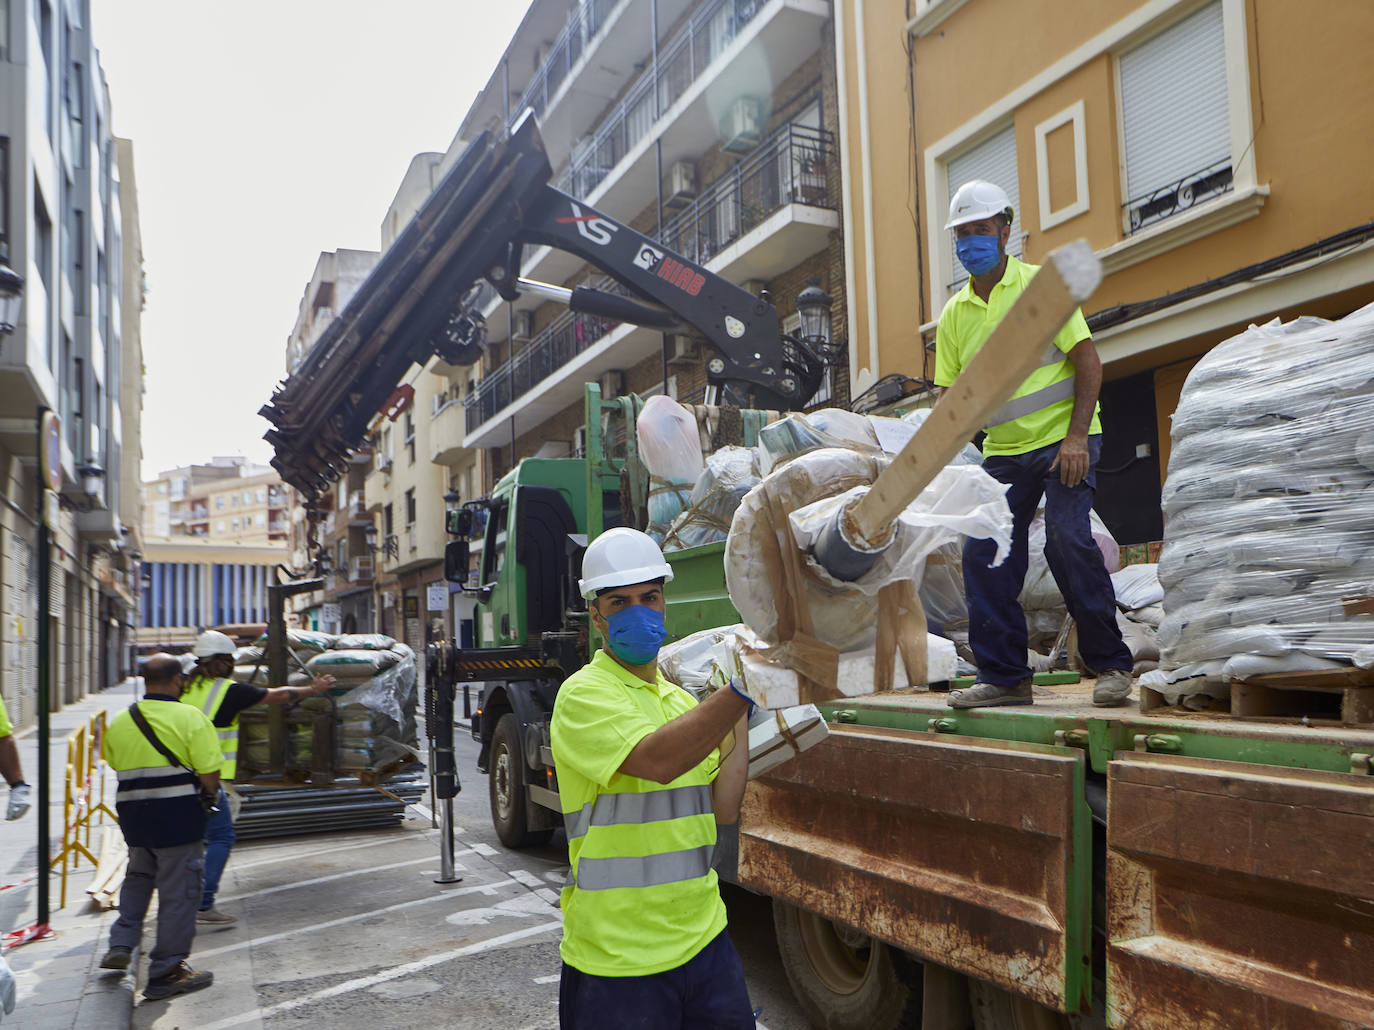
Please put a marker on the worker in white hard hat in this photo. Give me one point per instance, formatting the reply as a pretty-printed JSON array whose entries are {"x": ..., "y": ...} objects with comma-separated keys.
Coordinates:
[
  {"x": 1043, "y": 443},
  {"x": 644, "y": 775},
  {"x": 210, "y": 688}
]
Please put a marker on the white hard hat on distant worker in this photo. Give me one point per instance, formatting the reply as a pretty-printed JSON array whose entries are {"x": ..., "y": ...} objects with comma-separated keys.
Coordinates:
[
  {"x": 976, "y": 200},
  {"x": 621, "y": 557},
  {"x": 211, "y": 643}
]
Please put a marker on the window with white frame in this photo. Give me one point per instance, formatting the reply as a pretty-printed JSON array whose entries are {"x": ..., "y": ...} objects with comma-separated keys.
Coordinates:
[
  {"x": 995, "y": 161},
  {"x": 1175, "y": 119}
]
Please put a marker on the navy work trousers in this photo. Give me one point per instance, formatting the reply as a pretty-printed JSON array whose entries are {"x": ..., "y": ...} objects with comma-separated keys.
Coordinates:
[
  {"x": 997, "y": 625},
  {"x": 707, "y": 992}
]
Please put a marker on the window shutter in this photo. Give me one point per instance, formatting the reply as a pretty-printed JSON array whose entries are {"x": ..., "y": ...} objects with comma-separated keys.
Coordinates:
[
  {"x": 994, "y": 160},
  {"x": 1175, "y": 116}
]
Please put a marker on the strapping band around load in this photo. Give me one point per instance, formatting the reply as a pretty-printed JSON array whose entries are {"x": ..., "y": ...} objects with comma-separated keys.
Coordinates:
[{"x": 638, "y": 808}]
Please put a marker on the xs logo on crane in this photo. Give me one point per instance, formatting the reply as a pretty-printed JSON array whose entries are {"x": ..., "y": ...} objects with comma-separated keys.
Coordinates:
[{"x": 592, "y": 226}]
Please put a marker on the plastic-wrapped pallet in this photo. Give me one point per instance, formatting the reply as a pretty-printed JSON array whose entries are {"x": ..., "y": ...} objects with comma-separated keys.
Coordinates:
[{"x": 1268, "y": 560}]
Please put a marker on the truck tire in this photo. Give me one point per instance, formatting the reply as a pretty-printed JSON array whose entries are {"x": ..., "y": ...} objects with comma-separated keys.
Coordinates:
[
  {"x": 506, "y": 787},
  {"x": 844, "y": 980}
]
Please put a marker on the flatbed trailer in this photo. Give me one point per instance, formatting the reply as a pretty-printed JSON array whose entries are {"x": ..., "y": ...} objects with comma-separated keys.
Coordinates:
[{"x": 1206, "y": 870}]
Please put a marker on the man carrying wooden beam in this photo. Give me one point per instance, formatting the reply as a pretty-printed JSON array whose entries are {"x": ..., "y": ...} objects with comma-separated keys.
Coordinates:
[{"x": 1044, "y": 442}]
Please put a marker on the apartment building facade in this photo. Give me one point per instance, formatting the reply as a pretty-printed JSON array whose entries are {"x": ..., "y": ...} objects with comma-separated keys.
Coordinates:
[
  {"x": 709, "y": 127},
  {"x": 69, "y": 228},
  {"x": 1192, "y": 143}
]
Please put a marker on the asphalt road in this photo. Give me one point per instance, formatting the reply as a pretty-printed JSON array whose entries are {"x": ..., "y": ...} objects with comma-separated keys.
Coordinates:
[{"x": 350, "y": 930}]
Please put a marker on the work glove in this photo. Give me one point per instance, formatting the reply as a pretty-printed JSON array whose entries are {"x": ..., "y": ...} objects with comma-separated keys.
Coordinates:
[
  {"x": 737, "y": 685},
  {"x": 19, "y": 801}
]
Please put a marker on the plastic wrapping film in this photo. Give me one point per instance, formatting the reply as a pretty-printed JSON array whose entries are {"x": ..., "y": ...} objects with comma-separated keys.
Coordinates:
[
  {"x": 1268, "y": 560},
  {"x": 729, "y": 475},
  {"x": 809, "y": 489},
  {"x": 707, "y": 659},
  {"x": 670, "y": 444}
]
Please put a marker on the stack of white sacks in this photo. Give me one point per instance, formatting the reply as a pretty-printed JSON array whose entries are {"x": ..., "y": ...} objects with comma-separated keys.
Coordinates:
[{"x": 1268, "y": 561}]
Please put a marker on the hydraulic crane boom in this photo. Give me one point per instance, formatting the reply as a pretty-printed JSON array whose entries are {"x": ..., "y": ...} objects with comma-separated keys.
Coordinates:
[{"x": 417, "y": 302}]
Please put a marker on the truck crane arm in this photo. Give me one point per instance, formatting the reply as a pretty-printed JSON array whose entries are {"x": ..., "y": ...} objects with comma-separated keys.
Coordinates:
[{"x": 419, "y": 301}]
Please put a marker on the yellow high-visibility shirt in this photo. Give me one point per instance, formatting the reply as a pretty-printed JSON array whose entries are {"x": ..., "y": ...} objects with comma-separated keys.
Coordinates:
[
  {"x": 1039, "y": 412},
  {"x": 642, "y": 897}
]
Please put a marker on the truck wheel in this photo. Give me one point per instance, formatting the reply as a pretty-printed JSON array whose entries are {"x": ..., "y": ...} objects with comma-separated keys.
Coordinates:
[
  {"x": 843, "y": 979},
  {"x": 506, "y": 787}
]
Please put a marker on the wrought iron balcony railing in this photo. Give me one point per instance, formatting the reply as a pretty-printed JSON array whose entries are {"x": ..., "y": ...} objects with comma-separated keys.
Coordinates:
[
  {"x": 792, "y": 166},
  {"x": 681, "y": 61},
  {"x": 1179, "y": 195},
  {"x": 567, "y": 49}
]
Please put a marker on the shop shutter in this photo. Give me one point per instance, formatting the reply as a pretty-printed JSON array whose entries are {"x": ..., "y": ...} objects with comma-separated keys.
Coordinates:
[
  {"x": 994, "y": 160},
  {"x": 1176, "y": 122}
]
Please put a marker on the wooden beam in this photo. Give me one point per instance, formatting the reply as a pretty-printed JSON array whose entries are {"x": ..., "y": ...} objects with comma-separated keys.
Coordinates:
[{"x": 1011, "y": 353}]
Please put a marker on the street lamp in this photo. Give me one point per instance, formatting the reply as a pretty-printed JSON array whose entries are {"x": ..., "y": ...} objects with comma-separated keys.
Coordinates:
[
  {"x": 813, "y": 307},
  {"x": 11, "y": 290},
  {"x": 91, "y": 476}
]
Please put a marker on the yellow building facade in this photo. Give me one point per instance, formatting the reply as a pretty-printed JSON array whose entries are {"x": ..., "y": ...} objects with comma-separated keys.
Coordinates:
[{"x": 1208, "y": 151}]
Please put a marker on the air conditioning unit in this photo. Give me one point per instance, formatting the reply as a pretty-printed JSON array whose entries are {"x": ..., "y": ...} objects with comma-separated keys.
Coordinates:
[
  {"x": 753, "y": 287},
  {"x": 612, "y": 384},
  {"x": 682, "y": 184},
  {"x": 682, "y": 350},
  {"x": 742, "y": 126},
  {"x": 524, "y": 325}
]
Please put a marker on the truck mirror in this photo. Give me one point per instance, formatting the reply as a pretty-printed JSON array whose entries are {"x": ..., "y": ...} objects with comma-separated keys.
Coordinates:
[
  {"x": 460, "y": 523},
  {"x": 457, "y": 554}
]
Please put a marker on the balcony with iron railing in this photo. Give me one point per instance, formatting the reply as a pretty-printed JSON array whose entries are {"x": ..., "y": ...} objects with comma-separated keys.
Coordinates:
[
  {"x": 613, "y": 167},
  {"x": 755, "y": 222}
]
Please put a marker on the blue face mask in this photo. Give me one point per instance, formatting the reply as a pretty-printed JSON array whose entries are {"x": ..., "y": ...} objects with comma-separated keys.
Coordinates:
[
  {"x": 636, "y": 634},
  {"x": 978, "y": 254}
]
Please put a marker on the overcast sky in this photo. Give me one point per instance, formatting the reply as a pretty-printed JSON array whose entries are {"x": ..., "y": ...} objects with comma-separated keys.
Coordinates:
[{"x": 265, "y": 132}]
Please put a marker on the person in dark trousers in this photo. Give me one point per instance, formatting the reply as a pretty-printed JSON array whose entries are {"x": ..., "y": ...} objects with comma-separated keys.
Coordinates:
[
  {"x": 1044, "y": 442},
  {"x": 644, "y": 774},
  {"x": 212, "y": 691},
  {"x": 12, "y": 771},
  {"x": 159, "y": 803}
]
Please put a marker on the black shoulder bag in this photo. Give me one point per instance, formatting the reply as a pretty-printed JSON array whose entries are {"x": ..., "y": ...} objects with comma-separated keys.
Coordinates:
[{"x": 207, "y": 800}]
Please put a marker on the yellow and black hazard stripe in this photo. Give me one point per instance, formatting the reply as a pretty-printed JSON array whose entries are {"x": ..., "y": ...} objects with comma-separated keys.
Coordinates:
[{"x": 468, "y": 666}]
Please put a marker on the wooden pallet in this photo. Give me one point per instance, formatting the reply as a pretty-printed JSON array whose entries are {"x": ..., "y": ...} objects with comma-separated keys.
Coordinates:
[{"x": 1344, "y": 694}]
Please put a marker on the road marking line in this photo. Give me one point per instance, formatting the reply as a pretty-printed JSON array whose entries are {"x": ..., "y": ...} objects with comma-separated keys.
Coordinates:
[
  {"x": 335, "y": 876},
  {"x": 362, "y": 983},
  {"x": 551, "y": 896},
  {"x": 485, "y": 850},
  {"x": 524, "y": 876},
  {"x": 422, "y": 810},
  {"x": 553, "y": 979},
  {"x": 240, "y": 866},
  {"x": 481, "y": 888}
]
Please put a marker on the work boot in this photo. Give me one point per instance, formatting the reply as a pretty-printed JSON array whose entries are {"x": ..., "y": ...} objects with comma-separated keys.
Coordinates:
[
  {"x": 214, "y": 917},
  {"x": 1113, "y": 687},
  {"x": 181, "y": 980},
  {"x": 117, "y": 958},
  {"x": 990, "y": 695}
]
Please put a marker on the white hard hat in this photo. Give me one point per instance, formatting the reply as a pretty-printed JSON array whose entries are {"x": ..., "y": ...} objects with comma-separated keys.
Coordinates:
[
  {"x": 620, "y": 557},
  {"x": 978, "y": 199},
  {"x": 213, "y": 642},
  {"x": 188, "y": 663}
]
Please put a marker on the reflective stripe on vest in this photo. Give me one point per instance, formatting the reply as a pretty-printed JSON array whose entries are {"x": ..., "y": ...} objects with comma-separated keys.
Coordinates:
[
  {"x": 1019, "y": 407},
  {"x": 599, "y": 874},
  {"x": 229, "y": 736},
  {"x": 632, "y": 809},
  {"x": 151, "y": 783}
]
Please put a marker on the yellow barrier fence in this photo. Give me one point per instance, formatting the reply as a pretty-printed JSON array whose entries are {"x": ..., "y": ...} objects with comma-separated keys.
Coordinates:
[{"x": 85, "y": 796}]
